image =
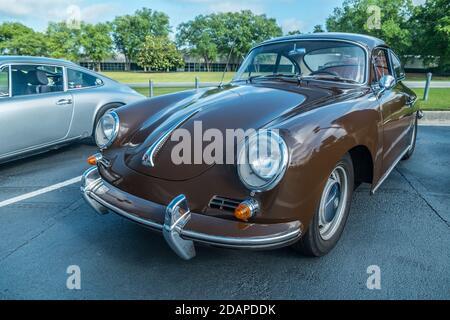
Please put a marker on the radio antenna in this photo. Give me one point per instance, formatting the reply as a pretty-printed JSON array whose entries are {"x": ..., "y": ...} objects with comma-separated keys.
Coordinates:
[{"x": 226, "y": 66}]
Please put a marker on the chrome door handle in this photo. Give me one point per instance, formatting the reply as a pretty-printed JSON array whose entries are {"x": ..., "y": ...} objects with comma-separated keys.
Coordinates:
[{"x": 64, "y": 101}]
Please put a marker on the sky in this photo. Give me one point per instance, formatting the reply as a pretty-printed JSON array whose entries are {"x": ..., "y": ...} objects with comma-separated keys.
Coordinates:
[{"x": 291, "y": 15}]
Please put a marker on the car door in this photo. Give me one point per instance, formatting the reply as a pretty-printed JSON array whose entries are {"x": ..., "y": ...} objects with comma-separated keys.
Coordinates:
[
  {"x": 38, "y": 109},
  {"x": 395, "y": 111}
]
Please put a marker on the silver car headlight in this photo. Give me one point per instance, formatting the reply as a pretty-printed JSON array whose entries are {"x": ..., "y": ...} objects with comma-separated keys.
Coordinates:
[
  {"x": 107, "y": 129},
  {"x": 262, "y": 160}
]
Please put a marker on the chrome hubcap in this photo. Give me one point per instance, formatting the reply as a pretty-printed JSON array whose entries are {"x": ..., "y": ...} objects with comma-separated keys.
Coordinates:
[{"x": 333, "y": 203}]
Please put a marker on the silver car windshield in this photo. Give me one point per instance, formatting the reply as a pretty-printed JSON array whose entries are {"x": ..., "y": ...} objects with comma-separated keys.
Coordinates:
[{"x": 329, "y": 60}]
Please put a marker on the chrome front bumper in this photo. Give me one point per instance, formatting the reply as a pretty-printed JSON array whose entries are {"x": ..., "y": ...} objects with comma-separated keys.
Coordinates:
[{"x": 174, "y": 221}]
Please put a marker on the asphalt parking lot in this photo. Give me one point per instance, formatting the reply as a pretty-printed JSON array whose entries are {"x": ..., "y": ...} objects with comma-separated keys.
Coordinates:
[{"x": 404, "y": 229}]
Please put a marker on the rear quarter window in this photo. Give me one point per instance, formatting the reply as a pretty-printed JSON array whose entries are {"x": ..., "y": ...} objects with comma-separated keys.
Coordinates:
[{"x": 78, "y": 80}]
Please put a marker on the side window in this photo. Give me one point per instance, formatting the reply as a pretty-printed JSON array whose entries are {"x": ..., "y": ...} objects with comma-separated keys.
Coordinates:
[
  {"x": 264, "y": 63},
  {"x": 78, "y": 79},
  {"x": 397, "y": 65},
  {"x": 380, "y": 64},
  {"x": 286, "y": 66},
  {"x": 36, "y": 79},
  {"x": 4, "y": 81}
]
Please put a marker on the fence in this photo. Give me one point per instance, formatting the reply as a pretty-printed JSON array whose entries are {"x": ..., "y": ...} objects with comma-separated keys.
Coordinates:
[{"x": 150, "y": 88}]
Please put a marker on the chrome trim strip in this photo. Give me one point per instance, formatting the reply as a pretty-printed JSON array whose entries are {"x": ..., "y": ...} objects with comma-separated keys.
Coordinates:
[
  {"x": 148, "y": 158},
  {"x": 127, "y": 215},
  {"x": 384, "y": 177}
]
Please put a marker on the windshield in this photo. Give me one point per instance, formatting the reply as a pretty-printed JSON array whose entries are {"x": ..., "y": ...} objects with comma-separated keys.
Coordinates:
[{"x": 330, "y": 60}]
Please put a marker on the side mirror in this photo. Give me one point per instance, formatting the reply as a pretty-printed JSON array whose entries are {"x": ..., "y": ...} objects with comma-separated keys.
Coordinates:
[{"x": 387, "y": 82}]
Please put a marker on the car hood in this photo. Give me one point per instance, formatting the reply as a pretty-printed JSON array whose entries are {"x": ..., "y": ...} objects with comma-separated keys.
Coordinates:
[{"x": 231, "y": 107}]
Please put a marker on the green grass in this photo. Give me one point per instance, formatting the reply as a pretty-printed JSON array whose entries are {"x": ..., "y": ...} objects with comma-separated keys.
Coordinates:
[
  {"x": 144, "y": 77},
  {"x": 159, "y": 91},
  {"x": 438, "y": 99},
  {"x": 423, "y": 77}
]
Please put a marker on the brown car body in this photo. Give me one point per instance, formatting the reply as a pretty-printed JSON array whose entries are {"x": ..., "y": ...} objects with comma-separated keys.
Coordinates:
[{"x": 320, "y": 121}]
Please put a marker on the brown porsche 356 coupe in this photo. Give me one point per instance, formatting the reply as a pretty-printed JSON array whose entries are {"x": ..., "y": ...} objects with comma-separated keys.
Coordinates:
[{"x": 335, "y": 114}]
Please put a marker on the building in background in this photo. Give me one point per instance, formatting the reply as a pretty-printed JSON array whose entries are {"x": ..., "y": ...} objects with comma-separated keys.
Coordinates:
[{"x": 191, "y": 64}]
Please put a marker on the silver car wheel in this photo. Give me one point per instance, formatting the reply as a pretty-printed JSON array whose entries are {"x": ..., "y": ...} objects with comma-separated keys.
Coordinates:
[{"x": 333, "y": 203}]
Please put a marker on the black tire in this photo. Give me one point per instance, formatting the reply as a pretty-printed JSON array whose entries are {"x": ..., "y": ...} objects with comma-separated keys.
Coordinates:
[
  {"x": 312, "y": 242},
  {"x": 100, "y": 113},
  {"x": 413, "y": 141}
]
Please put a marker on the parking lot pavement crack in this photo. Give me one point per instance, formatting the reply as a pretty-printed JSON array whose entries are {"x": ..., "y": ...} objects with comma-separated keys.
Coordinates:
[
  {"x": 54, "y": 220},
  {"x": 420, "y": 192}
]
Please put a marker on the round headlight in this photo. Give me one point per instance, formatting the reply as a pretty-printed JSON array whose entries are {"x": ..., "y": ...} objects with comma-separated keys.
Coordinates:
[
  {"x": 262, "y": 160},
  {"x": 107, "y": 129}
]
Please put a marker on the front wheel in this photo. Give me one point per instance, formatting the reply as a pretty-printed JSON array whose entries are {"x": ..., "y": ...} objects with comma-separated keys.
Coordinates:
[{"x": 329, "y": 221}]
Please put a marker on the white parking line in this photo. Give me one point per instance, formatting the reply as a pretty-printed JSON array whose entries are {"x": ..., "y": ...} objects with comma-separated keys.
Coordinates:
[{"x": 40, "y": 191}]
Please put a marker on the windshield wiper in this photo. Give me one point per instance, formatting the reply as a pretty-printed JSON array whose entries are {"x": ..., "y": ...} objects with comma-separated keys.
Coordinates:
[
  {"x": 330, "y": 77},
  {"x": 275, "y": 76}
]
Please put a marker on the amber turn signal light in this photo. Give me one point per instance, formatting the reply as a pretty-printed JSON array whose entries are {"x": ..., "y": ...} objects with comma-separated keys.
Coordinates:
[
  {"x": 243, "y": 212},
  {"x": 247, "y": 209},
  {"x": 92, "y": 160}
]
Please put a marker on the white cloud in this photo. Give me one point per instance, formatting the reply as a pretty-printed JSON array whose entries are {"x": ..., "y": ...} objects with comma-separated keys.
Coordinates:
[
  {"x": 20, "y": 8},
  {"x": 292, "y": 24},
  {"x": 54, "y": 10},
  {"x": 255, "y": 6},
  {"x": 230, "y": 6}
]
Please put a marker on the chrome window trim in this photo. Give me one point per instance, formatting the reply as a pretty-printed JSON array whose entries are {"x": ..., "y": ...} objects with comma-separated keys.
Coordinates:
[
  {"x": 9, "y": 80},
  {"x": 366, "y": 51},
  {"x": 392, "y": 53}
]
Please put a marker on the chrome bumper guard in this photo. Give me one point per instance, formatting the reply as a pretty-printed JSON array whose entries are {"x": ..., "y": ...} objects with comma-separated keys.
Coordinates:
[{"x": 177, "y": 215}]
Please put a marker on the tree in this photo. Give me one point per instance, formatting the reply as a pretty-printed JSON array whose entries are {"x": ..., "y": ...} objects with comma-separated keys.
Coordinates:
[
  {"x": 225, "y": 33},
  {"x": 318, "y": 28},
  {"x": 159, "y": 53},
  {"x": 96, "y": 42},
  {"x": 293, "y": 32},
  {"x": 130, "y": 31},
  {"x": 64, "y": 41},
  {"x": 199, "y": 36},
  {"x": 431, "y": 38},
  {"x": 358, "y": 16},
  {"x": 240, "y": 31},
  {"x": 17, "y": 39}
]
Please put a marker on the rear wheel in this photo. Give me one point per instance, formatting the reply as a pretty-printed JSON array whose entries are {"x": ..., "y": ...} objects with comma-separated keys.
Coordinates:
[
  {"x": 329, "y": 221},
  {"x": 412, "y": 145}
]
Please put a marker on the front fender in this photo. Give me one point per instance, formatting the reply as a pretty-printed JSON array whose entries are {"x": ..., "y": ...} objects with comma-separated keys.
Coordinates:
[{"x": 317, "y": 141}]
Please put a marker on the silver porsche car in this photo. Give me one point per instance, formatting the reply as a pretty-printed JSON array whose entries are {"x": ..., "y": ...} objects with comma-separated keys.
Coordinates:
[{"x": 45, "y": 103}]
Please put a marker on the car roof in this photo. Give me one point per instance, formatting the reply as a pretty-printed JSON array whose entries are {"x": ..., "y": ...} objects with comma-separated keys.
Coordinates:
[
  {"x": 30, "y": 59},
  {"x": 368, "y": 41}
]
